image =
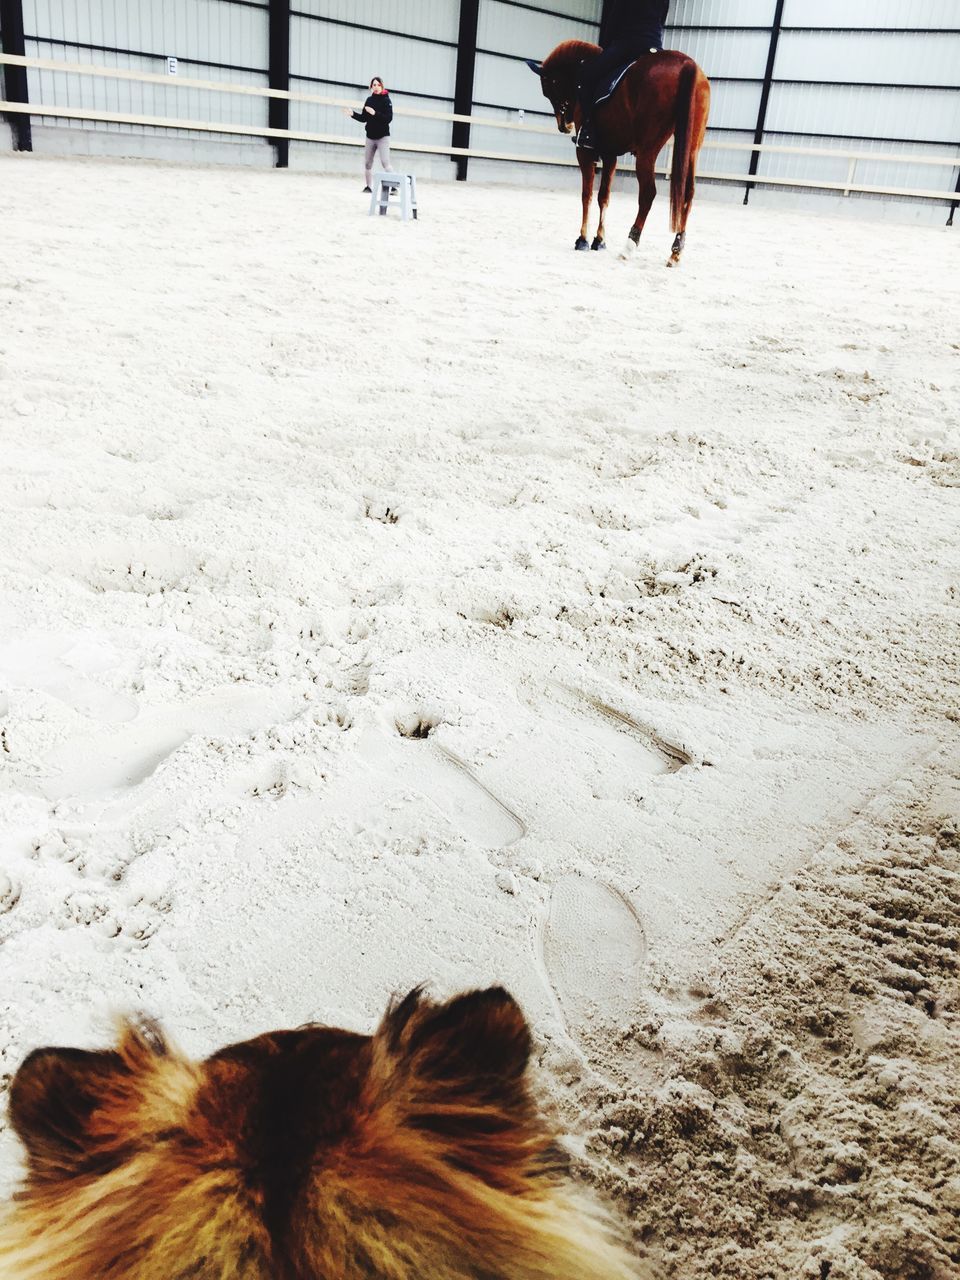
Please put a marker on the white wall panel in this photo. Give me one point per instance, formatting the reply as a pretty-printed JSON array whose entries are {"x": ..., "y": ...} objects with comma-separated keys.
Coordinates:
[
  {"x": 861, "y": 112},
  {"x": 723, "y": 53},
  {"x": 865, "y": 58},
  {"x": 721, "y": 13},
  {"x": 208, "y": 30},
  {"x": 579, "y": 10},
  {"x": 735, "y": 106},
  {"x": 508, "y": 82},
  {"x": 734, "y": 61},
  {"x": 873, "y": 172},
  {"x": 547, "y": 146},
  {"x": 410, "y": 129},
  {"x": 864, "y": 14},
  {"x": 724, "y": 159},
  {"x": 917, "y": 178},
  {"x": 504, "y": 28},
  {"x": 519, "y": 33},
  {"x": 60, "y": 88},
  {"x": 346, "y": 55},
  {"x": 438, "y": 19}
]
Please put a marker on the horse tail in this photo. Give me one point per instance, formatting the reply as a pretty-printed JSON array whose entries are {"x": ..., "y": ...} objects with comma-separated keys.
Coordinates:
[{"x": 682, "y": 143}]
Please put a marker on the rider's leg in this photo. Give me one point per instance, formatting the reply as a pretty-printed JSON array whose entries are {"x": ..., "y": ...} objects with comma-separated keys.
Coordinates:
[{"x": 592, "y": 82}]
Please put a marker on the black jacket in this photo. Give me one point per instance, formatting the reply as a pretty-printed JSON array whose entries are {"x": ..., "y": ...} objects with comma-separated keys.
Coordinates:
[
  {"x": 378, "y": 124},
  {"x": 635, "y": 22}
]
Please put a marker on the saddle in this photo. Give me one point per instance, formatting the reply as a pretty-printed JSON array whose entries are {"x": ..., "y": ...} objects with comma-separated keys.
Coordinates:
[{"x": 608, "y": 87}]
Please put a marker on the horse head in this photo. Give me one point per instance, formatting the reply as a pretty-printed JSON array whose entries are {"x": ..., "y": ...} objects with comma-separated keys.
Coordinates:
[{"x": 560, "y": 78}]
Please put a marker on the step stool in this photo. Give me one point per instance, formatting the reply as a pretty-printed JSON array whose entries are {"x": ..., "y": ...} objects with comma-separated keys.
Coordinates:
[{"x": 385, "y": 183}]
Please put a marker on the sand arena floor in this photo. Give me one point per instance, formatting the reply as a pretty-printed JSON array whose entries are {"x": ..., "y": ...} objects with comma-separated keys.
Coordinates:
[{"x": 383, "y": 603}]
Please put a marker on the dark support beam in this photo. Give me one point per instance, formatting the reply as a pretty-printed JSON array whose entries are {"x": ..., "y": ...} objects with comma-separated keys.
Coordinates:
[
  {"x": 956, "y": 204},
  {"x": 15, "y": 78},
  {"x": 463, "y": 89},
  {"x": 765, "y": 94},
  {"x": 278, "y": 113}
]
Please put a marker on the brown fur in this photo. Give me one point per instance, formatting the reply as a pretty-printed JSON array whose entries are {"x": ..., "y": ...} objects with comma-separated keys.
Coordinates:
[{"x": 413, "y": 1154}]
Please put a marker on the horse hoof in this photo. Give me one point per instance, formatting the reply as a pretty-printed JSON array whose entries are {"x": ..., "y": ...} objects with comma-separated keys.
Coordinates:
[
  {"x": 673, "y": 260},
  {"x": 581, "y": 244},
  {"x": 598, "y": 243},
  {"x": 628, "y": 250}
]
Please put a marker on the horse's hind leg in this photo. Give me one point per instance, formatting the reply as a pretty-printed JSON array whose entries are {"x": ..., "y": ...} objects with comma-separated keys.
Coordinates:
[
  {"x": 681, "y": 237},
  {"x": 606, "y": 182},
  {"x": 700, "y": 112},
  {"x": 647, "y": 183},
  {"x": 588, "y": 172}
]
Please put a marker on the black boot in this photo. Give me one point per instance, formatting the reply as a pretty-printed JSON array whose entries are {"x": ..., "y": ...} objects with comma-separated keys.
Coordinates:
[{"x": 585, "y": 136}]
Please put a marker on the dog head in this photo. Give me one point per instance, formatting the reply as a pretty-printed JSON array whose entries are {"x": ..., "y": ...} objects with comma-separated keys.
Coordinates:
[{"x": 315, "y": 1152}]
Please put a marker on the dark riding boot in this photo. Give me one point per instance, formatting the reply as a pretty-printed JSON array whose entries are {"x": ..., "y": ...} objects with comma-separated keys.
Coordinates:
[{"x": 586, "y": 138}]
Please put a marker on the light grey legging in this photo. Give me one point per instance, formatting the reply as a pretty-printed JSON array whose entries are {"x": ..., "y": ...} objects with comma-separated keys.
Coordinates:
[{"x": 370, "y": 150}]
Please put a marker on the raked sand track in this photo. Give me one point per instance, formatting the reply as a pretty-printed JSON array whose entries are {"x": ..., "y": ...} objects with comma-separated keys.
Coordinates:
[{"x": 386, "y": 603}]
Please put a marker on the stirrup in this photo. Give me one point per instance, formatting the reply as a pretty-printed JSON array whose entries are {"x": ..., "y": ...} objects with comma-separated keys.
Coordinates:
[{"x": 585, "y": 139}]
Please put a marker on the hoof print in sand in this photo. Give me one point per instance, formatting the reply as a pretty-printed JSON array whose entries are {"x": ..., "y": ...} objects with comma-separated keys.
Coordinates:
[
  {"x": 593, "y": 948},
  {"x": 9, "y": 893},
  {"x": 419, "y": 762},
  {"x": 66, "y": 669}
]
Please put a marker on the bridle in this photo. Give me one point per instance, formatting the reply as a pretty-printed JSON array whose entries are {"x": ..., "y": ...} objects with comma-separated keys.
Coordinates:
[{"x": 563, "y": 111}]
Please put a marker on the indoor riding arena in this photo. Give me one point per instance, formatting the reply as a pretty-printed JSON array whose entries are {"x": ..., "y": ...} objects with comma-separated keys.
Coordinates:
[{"x": 391, "y": 594}]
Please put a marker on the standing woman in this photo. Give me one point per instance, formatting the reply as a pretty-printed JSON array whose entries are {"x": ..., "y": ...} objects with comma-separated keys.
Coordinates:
[{"x": 376, "y": 114}]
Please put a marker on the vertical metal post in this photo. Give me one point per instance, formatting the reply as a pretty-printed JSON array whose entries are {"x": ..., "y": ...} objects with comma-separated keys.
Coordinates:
[
  {"x": 956, "y": 204},
  {"x": 463, "y": 89},
  {"x": 15, "y": 78},
  {"x": 278, "y": 112},
  {"x": 765, "y": 95}
]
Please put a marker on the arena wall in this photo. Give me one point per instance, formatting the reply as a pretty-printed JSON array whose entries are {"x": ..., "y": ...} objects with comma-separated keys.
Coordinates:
[{"x": 864, "y": 94}]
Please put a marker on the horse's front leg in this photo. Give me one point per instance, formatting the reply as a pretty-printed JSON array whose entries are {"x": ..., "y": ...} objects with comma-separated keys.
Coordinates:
[
  {"x": 606, "y": 183},
  {"x": 647, "y": 183},
  {"x": 588, "y": 172}
]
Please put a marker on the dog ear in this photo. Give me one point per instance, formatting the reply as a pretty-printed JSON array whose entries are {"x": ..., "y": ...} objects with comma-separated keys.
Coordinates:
[
  {"x": 479, "y": 1039},
  {"x": 52, "y": 1098},
  {"x": 56, "y": 1092}
]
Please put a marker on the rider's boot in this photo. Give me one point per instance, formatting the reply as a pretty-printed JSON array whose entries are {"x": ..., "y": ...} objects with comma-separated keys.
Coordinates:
[{"x": 585, "y": 136}]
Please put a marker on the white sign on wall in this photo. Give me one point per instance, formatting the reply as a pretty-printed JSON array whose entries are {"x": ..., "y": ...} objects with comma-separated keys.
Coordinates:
[{"x": 171, "y": 66}]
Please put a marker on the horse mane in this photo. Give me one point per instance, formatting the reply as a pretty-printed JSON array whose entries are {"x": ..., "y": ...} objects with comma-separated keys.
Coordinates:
[{"x": 569, "y": 55}]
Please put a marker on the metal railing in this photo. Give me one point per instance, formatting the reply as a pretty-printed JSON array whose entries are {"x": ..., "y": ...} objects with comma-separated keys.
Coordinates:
[{"x": 847, "y": 186}]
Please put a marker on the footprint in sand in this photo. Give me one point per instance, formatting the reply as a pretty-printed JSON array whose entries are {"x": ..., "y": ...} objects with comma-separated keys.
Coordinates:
[
  {"x": 127, "y": 756},
  {"x": 616, "y": 731},
  {"x": 9, "y": 893},
  {"x": 414, "y": 760},
  {"x": 593, "y": 947},
  {"x": 65, "y": 667}
]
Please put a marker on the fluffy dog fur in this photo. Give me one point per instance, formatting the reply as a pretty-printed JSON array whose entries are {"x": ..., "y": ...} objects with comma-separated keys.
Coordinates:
[{"x": 317, "y": 1154}]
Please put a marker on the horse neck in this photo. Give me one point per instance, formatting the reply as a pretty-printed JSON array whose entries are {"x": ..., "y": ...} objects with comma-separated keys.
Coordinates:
[{"x": 567, "y": 57}]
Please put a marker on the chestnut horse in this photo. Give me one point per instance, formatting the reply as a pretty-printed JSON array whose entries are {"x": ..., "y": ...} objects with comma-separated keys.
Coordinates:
[{"x": 662, "y": 94}]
